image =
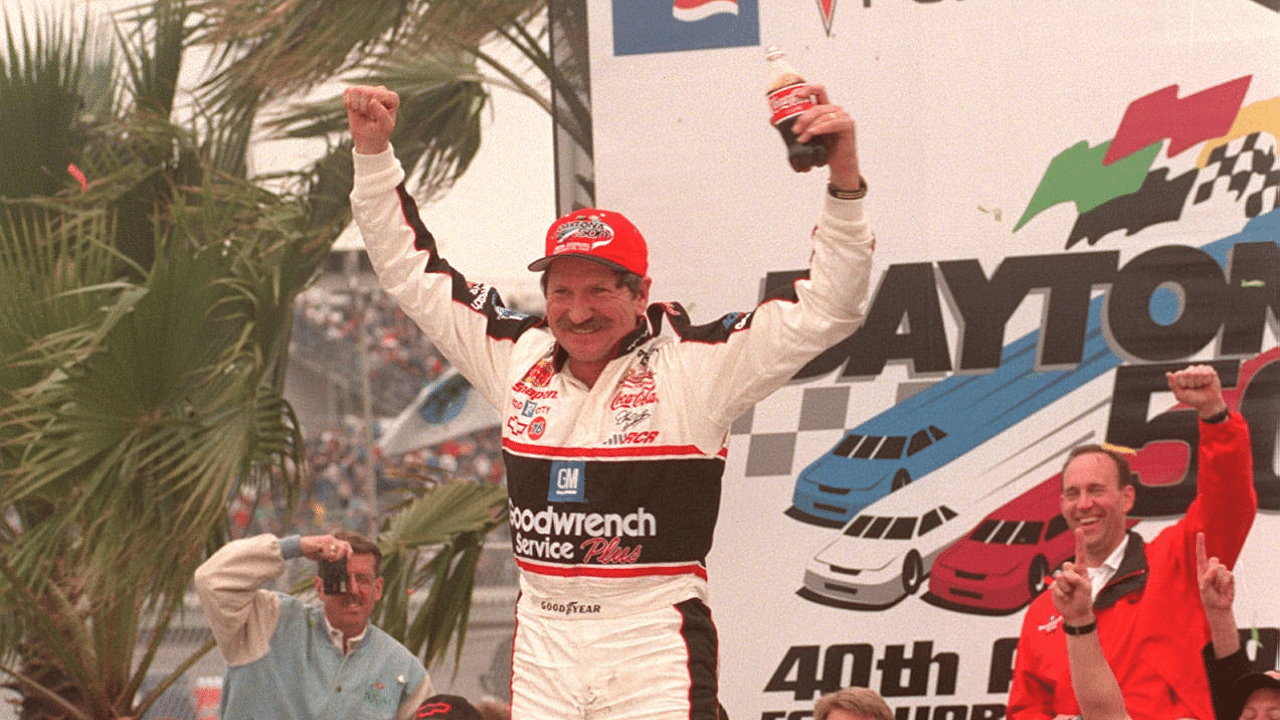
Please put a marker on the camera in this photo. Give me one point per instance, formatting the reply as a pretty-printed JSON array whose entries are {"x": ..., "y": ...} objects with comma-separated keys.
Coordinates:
[{"x": 333, "y": 576}]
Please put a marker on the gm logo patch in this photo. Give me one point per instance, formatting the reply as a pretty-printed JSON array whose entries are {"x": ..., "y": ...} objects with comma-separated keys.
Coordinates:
[
  {"x": 568, "y": 481},
  {"x": 653, "y": 26}
]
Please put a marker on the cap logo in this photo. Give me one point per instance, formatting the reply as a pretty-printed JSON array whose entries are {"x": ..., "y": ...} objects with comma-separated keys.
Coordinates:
[
  {"x": 600, "y": 235},
  {"x": 434, "y": 709},
  {"x": 583, "y": 233}
]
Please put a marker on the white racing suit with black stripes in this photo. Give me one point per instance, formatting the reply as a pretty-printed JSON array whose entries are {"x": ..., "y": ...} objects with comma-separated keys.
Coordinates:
[{"x": 615, "y": 488}]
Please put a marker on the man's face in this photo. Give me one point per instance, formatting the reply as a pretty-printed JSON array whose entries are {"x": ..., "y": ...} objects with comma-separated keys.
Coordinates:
[
  {"x": 350, "y": 611},
  {"x": 1263, "y": 704},
  {"x": 1093, "y": 501},
  {"x": 588, "y": 311}
]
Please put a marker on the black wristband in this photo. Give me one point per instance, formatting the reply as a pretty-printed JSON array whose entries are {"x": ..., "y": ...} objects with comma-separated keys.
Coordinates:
[
  {"x": 1080, "y": 629},
  {"x": 1220, "y": 416},
  {"x": 842, "y": 194}
]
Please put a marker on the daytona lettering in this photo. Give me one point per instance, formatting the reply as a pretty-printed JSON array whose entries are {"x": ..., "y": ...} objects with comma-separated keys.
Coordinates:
[{"x": 593, "y": 231}]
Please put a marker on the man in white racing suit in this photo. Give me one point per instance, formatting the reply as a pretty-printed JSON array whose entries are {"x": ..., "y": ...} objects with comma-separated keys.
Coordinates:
[{"x": 614, "y": 433}]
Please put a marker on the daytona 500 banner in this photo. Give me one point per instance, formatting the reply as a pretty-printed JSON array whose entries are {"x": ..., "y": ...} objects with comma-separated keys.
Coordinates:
[{"x": 1069, "y": 198}]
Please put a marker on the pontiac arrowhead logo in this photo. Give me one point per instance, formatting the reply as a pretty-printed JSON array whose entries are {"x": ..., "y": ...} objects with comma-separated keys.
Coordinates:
[{"x": 828, "y": 10}]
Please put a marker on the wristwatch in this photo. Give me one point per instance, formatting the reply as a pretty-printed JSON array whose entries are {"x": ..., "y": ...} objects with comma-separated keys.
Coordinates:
[{"x": 1080, "y": 629}]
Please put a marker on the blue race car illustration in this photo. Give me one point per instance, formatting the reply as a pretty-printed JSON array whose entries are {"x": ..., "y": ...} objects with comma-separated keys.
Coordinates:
[{"x": 939, "y": 424}]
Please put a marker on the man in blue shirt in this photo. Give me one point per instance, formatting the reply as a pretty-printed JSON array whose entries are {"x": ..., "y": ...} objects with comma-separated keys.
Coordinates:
[{"x": 290, "y": 661}]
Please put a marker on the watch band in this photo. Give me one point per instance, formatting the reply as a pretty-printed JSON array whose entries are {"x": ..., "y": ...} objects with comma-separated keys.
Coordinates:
[
  {"x": 1079, "y": 629},
  {"x": 1218, "y": 417},
  {"x": 842, "y": 194}
]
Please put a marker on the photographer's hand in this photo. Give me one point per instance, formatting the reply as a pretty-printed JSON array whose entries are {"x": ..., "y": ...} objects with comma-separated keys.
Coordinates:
[{"x": 325, "y": 548}]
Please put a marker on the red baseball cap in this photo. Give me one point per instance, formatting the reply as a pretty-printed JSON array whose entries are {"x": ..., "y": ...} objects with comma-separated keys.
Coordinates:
[{"x": 600, "y": 235}]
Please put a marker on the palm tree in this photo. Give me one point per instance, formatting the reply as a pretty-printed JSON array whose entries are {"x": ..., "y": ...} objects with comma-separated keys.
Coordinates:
[
  {"x": 143, "y": 342},
  {"x": 443, "y": 58}
]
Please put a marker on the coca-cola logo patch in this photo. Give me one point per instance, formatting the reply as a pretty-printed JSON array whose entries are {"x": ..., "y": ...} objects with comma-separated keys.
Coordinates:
[
  {"x": 637, "y": 389},
  {"x": 789, "y": 101}
]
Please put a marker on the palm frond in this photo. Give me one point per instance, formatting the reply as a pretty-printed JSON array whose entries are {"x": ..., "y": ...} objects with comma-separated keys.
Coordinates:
[
  {"x": 437, "y": 133},
  {"x": 432, "y": 53},
  {"x": 58, "y": 280},
  {"x": 154, "y": 36},
  {"x": 290, "y": 45},
  {"x": 450, "y": 521},
  {"x": 55, "y": 77},
  {"x": 132, "y": 448}
]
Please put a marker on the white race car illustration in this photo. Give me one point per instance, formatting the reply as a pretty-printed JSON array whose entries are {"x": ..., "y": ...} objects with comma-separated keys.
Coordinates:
[{"x": 886, "y": 551}]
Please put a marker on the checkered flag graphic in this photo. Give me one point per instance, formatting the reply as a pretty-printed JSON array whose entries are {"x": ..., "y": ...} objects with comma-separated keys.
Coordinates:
[{"x": 1239, "y": 163}]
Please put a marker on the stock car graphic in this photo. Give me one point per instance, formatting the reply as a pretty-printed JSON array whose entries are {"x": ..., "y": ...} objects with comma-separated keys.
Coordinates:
[
  {"x": 934, "y": 427},
  {"x": 875, "y": 562},
  {"x": 996, "y": 566},
  {"x": 963, "y": 413},
  {"x": 886, "y": 552}
]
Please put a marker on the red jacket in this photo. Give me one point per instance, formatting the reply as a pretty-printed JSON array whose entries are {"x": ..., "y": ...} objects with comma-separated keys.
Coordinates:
[{"x": 1150, "y": 621}]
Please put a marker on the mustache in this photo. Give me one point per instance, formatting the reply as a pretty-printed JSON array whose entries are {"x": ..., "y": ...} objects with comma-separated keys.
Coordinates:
[{"x": 587, "y": 326}]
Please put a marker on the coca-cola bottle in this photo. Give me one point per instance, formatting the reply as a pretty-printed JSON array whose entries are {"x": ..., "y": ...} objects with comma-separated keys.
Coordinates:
[{"x": 786, "y": 101}]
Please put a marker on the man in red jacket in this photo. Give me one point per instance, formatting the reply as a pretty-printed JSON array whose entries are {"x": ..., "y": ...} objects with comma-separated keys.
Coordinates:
[{"x": 1146, "y": 595}]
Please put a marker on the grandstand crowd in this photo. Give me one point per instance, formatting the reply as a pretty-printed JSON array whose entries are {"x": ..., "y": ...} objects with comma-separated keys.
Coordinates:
[{"x": 333, "y": 333}]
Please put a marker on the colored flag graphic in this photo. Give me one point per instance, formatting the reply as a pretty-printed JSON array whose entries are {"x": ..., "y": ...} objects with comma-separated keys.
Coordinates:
[
  {"x": 695, "y": 10},
  {"x": 1116, "y": 186},
  {"x": 1185, "y": 121}
]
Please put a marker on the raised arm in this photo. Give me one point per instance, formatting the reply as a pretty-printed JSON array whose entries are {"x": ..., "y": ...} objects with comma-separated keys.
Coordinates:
[
  {"x": 1217, "y": 593},
  {"x": 796, "y": 323},
  {"x": 1226, "y": 501},
  {"x": 371, "y": 111},
  {"x": 1097, "y": 691},
  {"x": 241, "y": 613},
  {"x": 833, "y": 121},
  {"x": 1224, "y": 658}
]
